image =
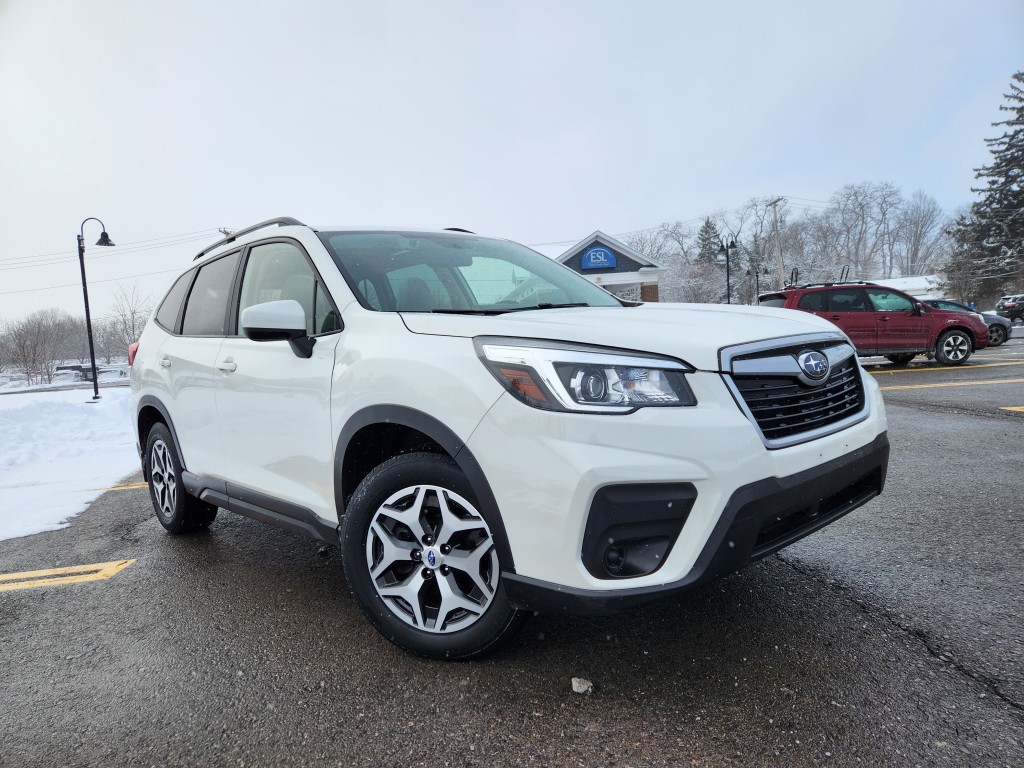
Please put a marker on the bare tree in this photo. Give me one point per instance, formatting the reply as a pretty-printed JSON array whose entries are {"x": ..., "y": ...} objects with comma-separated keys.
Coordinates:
[
  {"x": 5, "y": 355},
  {"x": 921, "y": 235},
  {"x": 39, "y": 342},
  {"x": 128, "y": 316},
  {"x": 108, "y": 339}
]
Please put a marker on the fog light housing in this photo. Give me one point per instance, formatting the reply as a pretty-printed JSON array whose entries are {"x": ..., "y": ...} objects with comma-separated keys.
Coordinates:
[{"x": 631, "y": 528}]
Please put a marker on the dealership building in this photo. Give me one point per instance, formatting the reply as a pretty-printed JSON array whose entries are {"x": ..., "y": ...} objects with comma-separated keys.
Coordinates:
[{"x": 614, "y": 266}]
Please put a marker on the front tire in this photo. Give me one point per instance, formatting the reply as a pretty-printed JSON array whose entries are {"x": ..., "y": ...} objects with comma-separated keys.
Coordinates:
[
  {"x": 953, "y": 348},
  {"x": 421, "y": 560},
  {"x": 177, "y": 511}
]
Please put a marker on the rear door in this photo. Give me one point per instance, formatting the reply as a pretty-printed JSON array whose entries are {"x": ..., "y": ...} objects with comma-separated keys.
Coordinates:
[
  {"x": 847, "y": 308},
  {"x": 274, "y": 406},
  {"x": 187, "y": 358}
]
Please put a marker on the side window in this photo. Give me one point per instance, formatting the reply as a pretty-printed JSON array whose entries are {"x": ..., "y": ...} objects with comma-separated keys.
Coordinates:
[
  {"x": 847, "y": 300},
  {"x": 207, "y": 307},
  {"x": 279, "y": 271},
  {"x": 814, "y": 301},
  {"x": 889, "y": 301},
  {"x": 167, "y": 314}
]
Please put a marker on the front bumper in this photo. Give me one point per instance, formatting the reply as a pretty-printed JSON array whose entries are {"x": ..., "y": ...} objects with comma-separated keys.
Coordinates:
[{"x": 759, "y": 518}]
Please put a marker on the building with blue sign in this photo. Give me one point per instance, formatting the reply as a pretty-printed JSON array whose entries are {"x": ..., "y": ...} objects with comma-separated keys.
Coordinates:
[{"x": 615, "y": 266}]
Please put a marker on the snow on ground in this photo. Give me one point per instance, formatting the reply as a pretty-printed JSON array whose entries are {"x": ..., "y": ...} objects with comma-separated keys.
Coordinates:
[{"x": 58, "y": 451}]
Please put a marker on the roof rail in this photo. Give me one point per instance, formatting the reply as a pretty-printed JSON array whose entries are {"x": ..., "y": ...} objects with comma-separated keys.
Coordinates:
[
  {"x": 282, "y": 221},
  {"x": 832, "y": 283},
  {"x": 459, "y": 229}
]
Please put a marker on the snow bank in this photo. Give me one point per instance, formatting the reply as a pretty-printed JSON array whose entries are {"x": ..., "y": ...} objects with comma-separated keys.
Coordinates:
[{"x": 58, "y": 451}]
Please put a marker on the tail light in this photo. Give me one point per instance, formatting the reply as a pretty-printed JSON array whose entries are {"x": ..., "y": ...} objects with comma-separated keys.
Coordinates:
[{"x": 133, "y": 350}]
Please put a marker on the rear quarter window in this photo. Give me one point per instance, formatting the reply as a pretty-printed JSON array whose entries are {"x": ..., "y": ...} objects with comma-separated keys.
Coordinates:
[{"x": 167, "y": 314}]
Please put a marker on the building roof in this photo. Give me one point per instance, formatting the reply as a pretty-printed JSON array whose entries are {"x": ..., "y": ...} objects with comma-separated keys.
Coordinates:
[{"x": 617, "y": 245}]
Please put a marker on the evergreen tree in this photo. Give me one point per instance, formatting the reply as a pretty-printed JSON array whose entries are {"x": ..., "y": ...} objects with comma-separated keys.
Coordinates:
[
  {"x": 709, "y": 240},
  {"x": 992, "y": 236}
]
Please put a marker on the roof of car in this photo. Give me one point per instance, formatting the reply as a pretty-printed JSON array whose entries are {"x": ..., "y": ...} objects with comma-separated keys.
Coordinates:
[{"x": 288, "y": 221}]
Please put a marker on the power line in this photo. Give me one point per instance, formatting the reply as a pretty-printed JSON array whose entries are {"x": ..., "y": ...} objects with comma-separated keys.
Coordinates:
[
  {"x": 79, "y": 285},
  {"x": 105, "y": 253},
  {"x": 74, "y": 252}
]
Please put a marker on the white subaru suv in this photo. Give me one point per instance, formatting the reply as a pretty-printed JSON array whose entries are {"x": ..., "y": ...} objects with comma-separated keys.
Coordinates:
[{"x": 484, "y": 432}]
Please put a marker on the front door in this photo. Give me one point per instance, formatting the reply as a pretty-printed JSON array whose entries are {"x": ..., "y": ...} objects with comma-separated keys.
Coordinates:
[
  {"x": 274, "y": 406},
  {"x": 899, "y": 325}
]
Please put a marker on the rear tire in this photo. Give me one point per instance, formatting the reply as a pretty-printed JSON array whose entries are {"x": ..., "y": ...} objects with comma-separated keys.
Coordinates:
[
  {"x": 422, "y": 561},
  {"x": 996, "y": 335},
  {"x": 175, "y": 508},
  {"x": 953, "y": 348}
]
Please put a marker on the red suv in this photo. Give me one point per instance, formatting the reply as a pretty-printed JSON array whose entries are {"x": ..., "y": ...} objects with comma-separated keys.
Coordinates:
[{"x": 884, "y": 321}]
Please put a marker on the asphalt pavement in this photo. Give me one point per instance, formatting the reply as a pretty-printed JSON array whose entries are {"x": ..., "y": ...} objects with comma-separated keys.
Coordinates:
[{"x": 892, "y": 637}]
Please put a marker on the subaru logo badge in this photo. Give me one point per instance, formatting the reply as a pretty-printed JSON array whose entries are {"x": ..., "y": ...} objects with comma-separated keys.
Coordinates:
[
  {"x": 813, "y": 365},
  {"x": 431, "y": 558}
]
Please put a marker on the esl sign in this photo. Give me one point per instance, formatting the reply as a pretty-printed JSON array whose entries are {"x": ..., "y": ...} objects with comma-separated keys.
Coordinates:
[{"x": 598, "y": 257}]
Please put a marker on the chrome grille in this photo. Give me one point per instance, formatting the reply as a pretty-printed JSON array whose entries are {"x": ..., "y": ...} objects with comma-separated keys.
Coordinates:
[{"x": 786, "y": 405}]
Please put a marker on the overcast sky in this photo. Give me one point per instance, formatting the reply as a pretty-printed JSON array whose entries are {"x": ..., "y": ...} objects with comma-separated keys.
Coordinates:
[{"x": 537, "y": 121}]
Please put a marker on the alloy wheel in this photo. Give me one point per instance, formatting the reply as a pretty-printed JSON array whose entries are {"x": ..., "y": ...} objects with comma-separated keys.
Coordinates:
[
  {"x": 431, "y": 559},
  {"x": 162, "y": 478},
  {"x": 955, "y": 347}
]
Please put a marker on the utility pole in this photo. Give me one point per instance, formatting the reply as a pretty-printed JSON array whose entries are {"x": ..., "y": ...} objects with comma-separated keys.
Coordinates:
[{"x": 778, "y": 243}]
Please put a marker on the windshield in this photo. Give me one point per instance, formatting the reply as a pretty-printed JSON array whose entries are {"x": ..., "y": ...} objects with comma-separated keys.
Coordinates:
[{"x": 455, "y": 273}]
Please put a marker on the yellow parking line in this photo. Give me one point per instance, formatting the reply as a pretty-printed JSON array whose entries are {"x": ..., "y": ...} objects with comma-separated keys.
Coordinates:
[
  {"x": 943, "y": 368},
  {"x": 956, "y": 384},
  {"x": 75, "y": 574},
  {"x": 125, "y": 487},
  {"x": 1012, "y": 408}
]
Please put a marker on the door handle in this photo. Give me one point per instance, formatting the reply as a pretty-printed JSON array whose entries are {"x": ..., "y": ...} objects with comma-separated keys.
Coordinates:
[
  {"x": 883, "y": 319},
  {"x": 227, "y": 365},
  {"x": 165, "y": 362}
]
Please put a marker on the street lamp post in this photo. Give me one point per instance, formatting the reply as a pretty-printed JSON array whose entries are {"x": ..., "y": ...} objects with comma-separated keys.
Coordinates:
[
  {"x": 726, "y": 247},
  {"x": 104, "y": 240},
  {"x": 757, "y": 281}
]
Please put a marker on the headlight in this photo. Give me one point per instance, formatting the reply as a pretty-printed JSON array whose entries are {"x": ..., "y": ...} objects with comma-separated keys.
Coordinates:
[{"x": 565, "y": 377}]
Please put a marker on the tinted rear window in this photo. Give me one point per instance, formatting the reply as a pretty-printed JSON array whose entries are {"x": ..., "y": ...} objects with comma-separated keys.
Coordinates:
[{"x": 775, "y": 300}]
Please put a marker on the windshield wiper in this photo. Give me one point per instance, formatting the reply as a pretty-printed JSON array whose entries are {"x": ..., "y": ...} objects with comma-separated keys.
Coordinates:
[
  {"x": 546, "y": 305},
  {"x": 469, "y": 311}
]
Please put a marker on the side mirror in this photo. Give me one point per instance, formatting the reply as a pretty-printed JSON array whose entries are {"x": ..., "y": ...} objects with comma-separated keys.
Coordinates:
[
  {"x": 918, "y": 308},
  {"x": 278, "y": 321}
]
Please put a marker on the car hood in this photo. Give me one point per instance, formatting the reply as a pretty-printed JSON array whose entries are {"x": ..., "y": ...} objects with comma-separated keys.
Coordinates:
[{"x": 693, "y": 333}]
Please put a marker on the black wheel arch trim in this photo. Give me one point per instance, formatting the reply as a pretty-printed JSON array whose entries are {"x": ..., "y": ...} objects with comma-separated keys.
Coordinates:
[
  {"x": 449, "y": 441},
  {"x": 152, "y": 402}
]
